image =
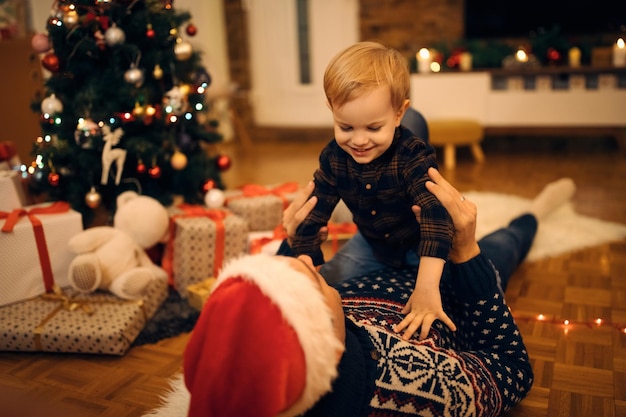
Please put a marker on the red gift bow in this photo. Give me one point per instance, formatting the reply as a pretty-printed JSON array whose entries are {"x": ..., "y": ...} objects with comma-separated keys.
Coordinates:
[
  {"x": 40, "y": 239},
  {"x": 256, "y": 190},
  {"x": 7, "y": 150},
  {"x": 190, "y": 210},
  {"x": 256, "y": 245}
]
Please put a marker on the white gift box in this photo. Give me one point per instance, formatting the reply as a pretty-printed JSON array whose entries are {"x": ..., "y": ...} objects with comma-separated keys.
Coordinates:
[
  {"x": 34, "y": 254},
  {"x": 11, "y": 191}
]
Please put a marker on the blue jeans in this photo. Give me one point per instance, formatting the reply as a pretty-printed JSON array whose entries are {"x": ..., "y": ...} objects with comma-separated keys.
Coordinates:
[{"x": 506, "y": 248}]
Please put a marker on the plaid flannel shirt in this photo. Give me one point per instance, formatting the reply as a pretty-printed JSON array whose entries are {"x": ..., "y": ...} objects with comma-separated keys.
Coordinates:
[{"x": 380, "y": 195}]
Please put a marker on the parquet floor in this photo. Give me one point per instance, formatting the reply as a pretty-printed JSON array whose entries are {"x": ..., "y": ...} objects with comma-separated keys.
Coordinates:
[{"x": 579, "y": 372}]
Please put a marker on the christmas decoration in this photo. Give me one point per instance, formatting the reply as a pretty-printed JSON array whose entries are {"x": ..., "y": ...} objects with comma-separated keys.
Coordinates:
[
  {"x": 40, "y": 42},
  {"x": 123, "y": 88},
  {"x": 223, "y": 162},
  {"x": 214, "y": 198},
  {"x": 51, "y": 62},
  {"x": 93, "y": 198},
  {"x": 178, "y": 160},
  {"x": 51, "y": 105}
]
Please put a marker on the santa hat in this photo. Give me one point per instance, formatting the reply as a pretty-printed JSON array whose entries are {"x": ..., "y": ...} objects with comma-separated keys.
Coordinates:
[{"x": 264, "y": 344}]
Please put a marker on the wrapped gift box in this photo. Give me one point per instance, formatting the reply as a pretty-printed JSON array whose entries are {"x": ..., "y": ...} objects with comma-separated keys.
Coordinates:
[
  {"x": 99, "y": 323},
  {"x": 33, "y": 249},
  {"x": 198, "y": 293},
  {"x": 200, "y": 241},
  {"x": 262, "y": 207},
  {"x": 11, "y": 191}
]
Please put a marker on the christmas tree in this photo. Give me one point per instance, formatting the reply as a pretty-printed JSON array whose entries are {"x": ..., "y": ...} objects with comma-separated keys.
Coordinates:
[{"x": 124, "y": 106}]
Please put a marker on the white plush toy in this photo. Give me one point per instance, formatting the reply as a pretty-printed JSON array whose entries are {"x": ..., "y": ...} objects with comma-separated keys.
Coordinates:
[{"x": 113, "y": 258}]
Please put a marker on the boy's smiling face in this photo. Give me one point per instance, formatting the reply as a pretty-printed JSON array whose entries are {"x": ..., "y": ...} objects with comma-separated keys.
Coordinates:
[{"x": 365, "y": 126}]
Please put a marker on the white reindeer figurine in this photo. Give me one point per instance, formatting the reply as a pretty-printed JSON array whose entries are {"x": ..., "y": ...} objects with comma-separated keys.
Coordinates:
[{"x": 110, "y": 155}]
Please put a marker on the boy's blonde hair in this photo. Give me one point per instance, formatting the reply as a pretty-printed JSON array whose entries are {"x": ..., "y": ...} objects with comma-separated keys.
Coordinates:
[{"x": 363, "y": 67}]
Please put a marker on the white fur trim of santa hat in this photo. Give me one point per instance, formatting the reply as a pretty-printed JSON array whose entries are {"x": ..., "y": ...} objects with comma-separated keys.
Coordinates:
[{"x": 303, "y": 306}]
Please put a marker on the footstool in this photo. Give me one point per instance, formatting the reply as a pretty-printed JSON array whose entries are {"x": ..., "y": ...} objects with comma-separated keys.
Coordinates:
[{"x": 450, "y": 133}]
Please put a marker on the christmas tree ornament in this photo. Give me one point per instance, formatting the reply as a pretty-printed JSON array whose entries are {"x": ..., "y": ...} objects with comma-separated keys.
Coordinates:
[
  {"x": 174, "y": 101},
  {"x": 223, "y": 162},
  {"x": 112, "y": 155},
  {"x": 51, "y": 105},
  {"x": 93, "y": 198},
  {"x": 138, "y": 110},
  {"x": 168, "y": 4},
  {"x": 214, "y": 198},
  {"x": 134, "y": 76},
  {"x": 178, "y": 160},
  {"x": 183, "y": 50},
  {"x": 157, "y": 72},
  {"x": 40, "y": 42},
  {"x": 70, "y": 19},
  {"x": 155, "y": 172},
  {"x": 114, "y": 36},
  {"x": 208, "y": 185},
  {"x": 51, "y": 62},
  {"x": 150, "y": 32},
  {"x": 191, "y": 29},
  {"x": 141, "y": 167},
  {"x": 86, "y": 132},
  {"x": 53, "y": 179}
]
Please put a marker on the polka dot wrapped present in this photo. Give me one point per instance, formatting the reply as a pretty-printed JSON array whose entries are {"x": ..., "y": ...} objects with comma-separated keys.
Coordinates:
[
  {"x": 200, "y": 241},
  {"x": 64, "y": 321},
  {"x": 262, "y": 207}
]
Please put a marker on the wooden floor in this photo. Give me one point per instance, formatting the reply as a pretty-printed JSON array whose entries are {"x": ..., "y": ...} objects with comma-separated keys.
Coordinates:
[{"x": 581, "y": 372}]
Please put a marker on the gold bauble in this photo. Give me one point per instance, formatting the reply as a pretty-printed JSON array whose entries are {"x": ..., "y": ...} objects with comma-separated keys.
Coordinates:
[
  {"x": 157, "y": 72},
  {"x": 93, "y": 198},
  {"x": 178, "y": 160}
]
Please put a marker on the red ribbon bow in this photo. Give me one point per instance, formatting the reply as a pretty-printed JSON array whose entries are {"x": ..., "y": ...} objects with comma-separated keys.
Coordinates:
[
  {"x": 7, "y": 150},
  {"x": 13, "y": 217},
  {"x": 256, "y": 190}
]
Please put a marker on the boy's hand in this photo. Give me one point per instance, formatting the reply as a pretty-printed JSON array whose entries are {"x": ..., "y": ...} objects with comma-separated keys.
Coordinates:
[{"x": 422, "y": 309}]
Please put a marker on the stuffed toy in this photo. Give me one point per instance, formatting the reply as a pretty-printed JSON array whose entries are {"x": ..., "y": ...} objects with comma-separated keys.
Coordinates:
[{"x": 113, "y": 258}]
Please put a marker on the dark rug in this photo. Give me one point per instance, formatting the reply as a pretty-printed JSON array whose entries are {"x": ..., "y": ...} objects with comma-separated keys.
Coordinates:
[{"x": 175, "y": 316}]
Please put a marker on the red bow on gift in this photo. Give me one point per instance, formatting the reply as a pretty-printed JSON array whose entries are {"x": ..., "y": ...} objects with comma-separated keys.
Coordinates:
[
  {"x": 40, "y": 239},
  {"x": 256, "y": 190},
  {"x": 7, "y": 151}
]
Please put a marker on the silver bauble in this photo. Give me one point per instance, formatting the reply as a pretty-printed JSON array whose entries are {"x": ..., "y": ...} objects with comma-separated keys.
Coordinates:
[
  {"x": 134, "y": 76},
  {"x": 51, "y": 105},
  {"x": 183, "y": 50},
  {"x": 114, "y": 36}
]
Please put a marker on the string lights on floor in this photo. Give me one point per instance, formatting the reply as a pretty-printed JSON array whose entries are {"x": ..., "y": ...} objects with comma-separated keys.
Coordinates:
[{"x": 568, "y": 325}]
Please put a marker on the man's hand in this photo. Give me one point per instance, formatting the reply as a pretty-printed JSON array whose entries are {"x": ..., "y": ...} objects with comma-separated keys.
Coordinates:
[
  {"x": 463, "y": 213},
  {"x": 297, "y": 211}
]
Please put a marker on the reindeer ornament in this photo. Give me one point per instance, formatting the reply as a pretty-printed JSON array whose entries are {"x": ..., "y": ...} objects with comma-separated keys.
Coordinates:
[{"x": 110, "y": 155}]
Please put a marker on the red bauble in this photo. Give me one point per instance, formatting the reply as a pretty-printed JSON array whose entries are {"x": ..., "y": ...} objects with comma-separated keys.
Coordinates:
[
  {"x": 154, "y": 172},
  {"x": 208, "y": 185},
  {"x": 191, "y": 29},
  {"x": 53, "y": 179},
  {"x": 51, "y": 62},
  {"x": 141, "y": 168},
  {"x": 223, "y": 162},
  {"x": 150, "y": 32}
]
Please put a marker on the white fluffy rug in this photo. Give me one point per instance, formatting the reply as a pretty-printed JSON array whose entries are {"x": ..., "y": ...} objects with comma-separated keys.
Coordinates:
[{"x": 562, "y": 231}]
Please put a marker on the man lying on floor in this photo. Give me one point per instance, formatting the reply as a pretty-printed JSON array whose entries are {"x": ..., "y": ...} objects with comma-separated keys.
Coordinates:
[{"x": 274, "y": 339}]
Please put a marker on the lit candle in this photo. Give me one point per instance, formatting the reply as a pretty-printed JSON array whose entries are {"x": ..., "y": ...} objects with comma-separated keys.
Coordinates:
[
  {"x": 619, "y": 53},
  {"x": 521, "y": 55},
  {"x": 465, "y": 61},
  {"x": 574, "y": 57},
  {"x": 423, "y": 60}
]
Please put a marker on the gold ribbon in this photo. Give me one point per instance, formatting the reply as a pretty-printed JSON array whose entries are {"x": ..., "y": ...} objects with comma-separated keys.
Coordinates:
[{"x": 68, "y": 303}]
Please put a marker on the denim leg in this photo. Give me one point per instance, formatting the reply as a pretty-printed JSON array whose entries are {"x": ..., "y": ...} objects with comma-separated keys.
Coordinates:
[
  {"x": 507, "y": 247},
  {"x": 354, "y": 259}
]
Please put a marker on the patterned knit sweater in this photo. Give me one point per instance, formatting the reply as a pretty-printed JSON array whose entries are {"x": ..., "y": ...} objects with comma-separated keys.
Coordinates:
[{"x": 482, "y": 369}]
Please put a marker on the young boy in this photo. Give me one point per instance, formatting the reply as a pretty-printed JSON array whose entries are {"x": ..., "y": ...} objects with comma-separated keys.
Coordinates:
[{"x": 379, "y": 169}]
